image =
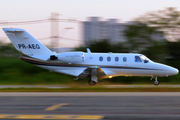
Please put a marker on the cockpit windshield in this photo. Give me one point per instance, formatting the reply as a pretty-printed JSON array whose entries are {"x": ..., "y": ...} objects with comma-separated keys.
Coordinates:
[{"x": 144, "y": 58}]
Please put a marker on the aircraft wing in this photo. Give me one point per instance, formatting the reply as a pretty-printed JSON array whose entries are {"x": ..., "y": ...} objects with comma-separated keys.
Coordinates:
[{"x": 90, "y": 70}]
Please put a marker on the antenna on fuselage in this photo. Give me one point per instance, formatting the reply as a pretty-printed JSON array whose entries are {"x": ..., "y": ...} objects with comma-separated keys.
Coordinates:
[{"x": 88, "y": 51}]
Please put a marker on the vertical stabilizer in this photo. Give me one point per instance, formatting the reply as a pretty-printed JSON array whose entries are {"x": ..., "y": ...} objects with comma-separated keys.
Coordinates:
[{"x": 25, "y": 43}]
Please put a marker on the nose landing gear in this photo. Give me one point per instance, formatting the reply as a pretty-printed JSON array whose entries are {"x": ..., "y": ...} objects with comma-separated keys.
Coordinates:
[{"x": 156, "y": 82}]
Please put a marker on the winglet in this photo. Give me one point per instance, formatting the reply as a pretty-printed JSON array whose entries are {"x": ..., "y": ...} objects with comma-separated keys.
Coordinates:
[{"x": 88, "y": 51}]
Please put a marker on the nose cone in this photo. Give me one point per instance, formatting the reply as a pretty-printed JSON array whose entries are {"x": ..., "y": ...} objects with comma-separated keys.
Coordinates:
[
  {"x": 173, "y": 71},
  {"x": 170, "y": 70},
  {"x": 165, "y": 70}
]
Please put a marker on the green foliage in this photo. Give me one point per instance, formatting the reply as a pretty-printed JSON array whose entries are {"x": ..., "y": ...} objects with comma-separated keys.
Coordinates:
[
  {"x": 156, "y": 53},
  {"x": 8, "y": 50},
  {"x": 173, "y": 49},
  {"x": 146, "y": 40},
  {"x": 93, "y": 89},
  {"x": 15, "y": 71},
  {"x": 167, "y": 20}
]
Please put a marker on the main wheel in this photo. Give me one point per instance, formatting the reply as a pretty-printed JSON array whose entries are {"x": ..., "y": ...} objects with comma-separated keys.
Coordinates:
[
  {"x": 91, "y": 83},
  {"x": 156, "y": 82}
]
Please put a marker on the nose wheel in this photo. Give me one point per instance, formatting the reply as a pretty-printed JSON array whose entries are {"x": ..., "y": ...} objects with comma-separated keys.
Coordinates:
[{"x": 156, "y": 82}]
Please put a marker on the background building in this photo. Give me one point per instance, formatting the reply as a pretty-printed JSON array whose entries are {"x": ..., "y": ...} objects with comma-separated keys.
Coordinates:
[{"x": 95, "y": 29}]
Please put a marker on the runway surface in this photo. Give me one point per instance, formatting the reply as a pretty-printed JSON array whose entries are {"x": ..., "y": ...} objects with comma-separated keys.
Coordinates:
[
  {"x": 105, "y": 86},
  {"x": 107, "y": 106}
]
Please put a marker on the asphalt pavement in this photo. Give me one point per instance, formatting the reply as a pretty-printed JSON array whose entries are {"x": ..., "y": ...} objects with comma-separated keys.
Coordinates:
[{"x": 107, "y": 106}]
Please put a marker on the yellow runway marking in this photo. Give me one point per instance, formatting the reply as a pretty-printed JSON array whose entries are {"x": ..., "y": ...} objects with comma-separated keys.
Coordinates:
[
  {"x": 73, "y": 117},
  {"x": 54, "y": 107}
]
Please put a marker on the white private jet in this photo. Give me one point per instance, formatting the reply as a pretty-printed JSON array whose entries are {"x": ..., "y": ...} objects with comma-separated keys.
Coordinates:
[{"x": 94, "y": 66}]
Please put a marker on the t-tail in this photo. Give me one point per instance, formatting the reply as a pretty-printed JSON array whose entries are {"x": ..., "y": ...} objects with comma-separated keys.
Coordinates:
[{"x": 26, "y": 43}]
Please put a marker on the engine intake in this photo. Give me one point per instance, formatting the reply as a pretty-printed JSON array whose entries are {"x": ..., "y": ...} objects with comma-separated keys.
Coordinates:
[{"x": 53, "y": 57}]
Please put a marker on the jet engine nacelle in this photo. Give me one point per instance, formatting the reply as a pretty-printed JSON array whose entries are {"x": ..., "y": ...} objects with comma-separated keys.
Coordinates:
[{"x": 71, "y": 57}]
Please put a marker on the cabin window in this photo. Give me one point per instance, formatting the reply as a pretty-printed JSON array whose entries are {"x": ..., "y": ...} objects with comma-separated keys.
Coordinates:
[
  {"x": 100, "y": 58},
  {"x": 108, "y": 59},
  {"x": 116, "y": 59},
  {"x": 138, "y": 59},
  {"x": 124, "y": 59}
]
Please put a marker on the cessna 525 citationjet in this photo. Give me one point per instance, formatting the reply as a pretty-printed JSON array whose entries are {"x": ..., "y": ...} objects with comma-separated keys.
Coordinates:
[{"x": 95, "y": 66}]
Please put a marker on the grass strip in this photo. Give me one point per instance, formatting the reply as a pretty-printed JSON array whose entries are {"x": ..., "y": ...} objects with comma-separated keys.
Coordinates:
[{"x": 90, "y": 89}]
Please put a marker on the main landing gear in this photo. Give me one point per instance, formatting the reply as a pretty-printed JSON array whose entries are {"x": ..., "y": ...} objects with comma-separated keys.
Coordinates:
[
  {"x": 91, "y": 83},
  {"x": 156, "y": 82}
]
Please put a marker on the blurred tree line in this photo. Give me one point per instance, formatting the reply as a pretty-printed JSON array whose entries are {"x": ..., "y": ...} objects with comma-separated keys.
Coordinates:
[
  {"x": 166, "y": 21},
  {"x": 8, "y": 50}
]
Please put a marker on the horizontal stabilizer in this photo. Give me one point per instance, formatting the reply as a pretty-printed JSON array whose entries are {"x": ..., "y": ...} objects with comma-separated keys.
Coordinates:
[{"x": 11, "y": 30}]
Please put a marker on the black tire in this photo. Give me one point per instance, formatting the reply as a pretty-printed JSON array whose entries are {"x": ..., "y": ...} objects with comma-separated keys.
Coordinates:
[
  {"x": 91, "y": 83},
  {"x": 156, "y": 83}
]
